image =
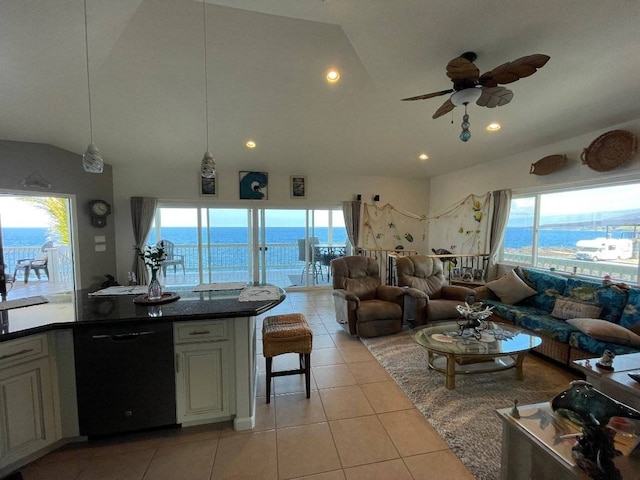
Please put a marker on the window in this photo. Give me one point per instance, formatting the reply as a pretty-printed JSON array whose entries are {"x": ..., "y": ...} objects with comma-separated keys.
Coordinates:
[
  {"x": 591, "y": 232},
  {"x": 238, "y": 245}
]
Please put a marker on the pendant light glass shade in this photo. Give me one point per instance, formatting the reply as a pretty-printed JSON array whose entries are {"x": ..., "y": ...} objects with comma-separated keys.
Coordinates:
[
  {"x": 92, "y": 161},
  {"x": 208, "y": 166}
]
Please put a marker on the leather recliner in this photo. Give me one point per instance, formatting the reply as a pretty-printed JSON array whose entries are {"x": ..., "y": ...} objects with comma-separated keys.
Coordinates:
[
  {"x": 364, "y": 306},
  {"x": 429, "y": 298}
]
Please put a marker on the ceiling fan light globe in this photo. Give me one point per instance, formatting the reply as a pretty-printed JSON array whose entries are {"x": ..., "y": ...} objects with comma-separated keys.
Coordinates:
[
  {"x": 465, "y": 135},
  {"x": 466, "y": 96}
]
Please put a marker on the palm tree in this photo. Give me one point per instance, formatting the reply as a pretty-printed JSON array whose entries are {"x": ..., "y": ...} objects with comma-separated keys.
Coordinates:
[{"x": 57, "y": 210}]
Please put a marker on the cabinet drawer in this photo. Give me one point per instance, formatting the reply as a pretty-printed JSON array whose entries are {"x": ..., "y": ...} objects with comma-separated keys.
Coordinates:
[
  {"x": 201, "y": 331},
  {"x": 23, "y": 349}
]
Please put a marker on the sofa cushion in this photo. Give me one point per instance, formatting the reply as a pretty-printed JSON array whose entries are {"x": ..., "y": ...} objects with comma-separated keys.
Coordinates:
[
  {"x": 631, "y": 314},
  {"x": 565, "y": 309},
  {"x": 548, "y": 286},
  {"x": 606, "y": 331},
  {"x": 510, "y": 288},
  {"x": 591, "y": 344},
  {"x": 542, "y": 323},
  {"x": 611, "y": 297}
]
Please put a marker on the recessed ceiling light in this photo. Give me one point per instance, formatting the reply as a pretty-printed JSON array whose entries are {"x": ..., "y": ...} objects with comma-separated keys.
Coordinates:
[
  {"x": 493, "y": 127},
  {"x": 424, "y": 156},
  {"x": 333, "y": 75},
  {"x": 251, "y": 144}
]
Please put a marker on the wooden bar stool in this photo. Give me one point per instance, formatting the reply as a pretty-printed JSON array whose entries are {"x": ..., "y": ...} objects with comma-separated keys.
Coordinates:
[{"x": 289, "y": 333}]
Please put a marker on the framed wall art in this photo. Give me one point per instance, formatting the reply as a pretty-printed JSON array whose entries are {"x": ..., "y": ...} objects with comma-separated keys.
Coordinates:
[
  {"x": 209, "y": 186},
  {"x": 254, "y": 185},
  {"x": 298, "y": 186}
]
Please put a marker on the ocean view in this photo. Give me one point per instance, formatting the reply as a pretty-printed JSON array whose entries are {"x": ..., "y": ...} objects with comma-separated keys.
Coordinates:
[{"x": 516, "y": 238}]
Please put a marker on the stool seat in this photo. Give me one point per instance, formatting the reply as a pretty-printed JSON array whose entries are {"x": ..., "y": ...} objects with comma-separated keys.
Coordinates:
[{"x": 288, "y": 333}]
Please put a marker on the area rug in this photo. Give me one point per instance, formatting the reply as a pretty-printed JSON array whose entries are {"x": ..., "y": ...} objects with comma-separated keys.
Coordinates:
[{"x": 465, "y": 417}]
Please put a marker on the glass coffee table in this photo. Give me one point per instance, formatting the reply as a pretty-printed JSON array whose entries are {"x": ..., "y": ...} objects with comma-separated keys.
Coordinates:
[{"x": 454, "y": 351}]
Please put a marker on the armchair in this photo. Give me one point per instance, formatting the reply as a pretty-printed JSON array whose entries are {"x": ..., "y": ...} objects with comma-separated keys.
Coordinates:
[
  {"x": 429, "y": 298},
  {"x": 364, "y": 306}
]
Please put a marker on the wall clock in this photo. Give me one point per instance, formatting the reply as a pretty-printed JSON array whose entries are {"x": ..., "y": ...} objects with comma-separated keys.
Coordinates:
[{"x": 99, "y": 211}]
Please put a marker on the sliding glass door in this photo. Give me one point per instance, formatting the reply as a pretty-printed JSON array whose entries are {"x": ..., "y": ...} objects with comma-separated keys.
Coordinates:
[{"x": 289, "y": 248}]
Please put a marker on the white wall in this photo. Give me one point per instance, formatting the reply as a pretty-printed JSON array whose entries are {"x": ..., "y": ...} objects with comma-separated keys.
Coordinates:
[
  {"x": 513, "y": 172},
  {"x": 322, "y": 192}
]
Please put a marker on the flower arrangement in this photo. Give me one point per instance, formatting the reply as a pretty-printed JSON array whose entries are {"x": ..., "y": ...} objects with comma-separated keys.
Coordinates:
[{"x": 153, "y": 256}]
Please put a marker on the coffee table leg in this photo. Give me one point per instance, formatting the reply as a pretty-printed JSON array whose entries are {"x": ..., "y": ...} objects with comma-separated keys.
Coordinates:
[
  {"x": 519, "y": 362},
  {"x": 450, "y": 375}
]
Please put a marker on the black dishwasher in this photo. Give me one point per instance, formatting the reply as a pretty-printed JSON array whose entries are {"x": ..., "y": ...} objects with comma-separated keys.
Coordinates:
[{"x": 125, "y": 377}]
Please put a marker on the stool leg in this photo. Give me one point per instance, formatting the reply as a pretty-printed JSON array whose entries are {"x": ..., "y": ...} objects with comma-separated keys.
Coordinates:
[
  {"x": 307, "y": 373},
  {"x": 269, "y": 360}
]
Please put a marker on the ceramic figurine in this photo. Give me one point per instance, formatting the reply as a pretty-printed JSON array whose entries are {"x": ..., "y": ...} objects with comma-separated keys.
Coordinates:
[
  {"x": 515, "y": 413},
  {"x": 606, "y": 361}
]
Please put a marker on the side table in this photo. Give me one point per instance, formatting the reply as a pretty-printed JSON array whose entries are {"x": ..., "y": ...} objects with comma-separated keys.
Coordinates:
[
  {"x": 531, "y": 448},
  {"x": 616, "y": 383}
]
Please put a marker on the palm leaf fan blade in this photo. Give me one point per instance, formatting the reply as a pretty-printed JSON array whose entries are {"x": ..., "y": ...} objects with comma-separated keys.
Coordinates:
[
  {"x": 462, "y": 69},
  {"x": 446, "y": 107},
  {"x": 494, "y": 97},
  {"x": 429, "y": 95},
  {"x": 511, "y": 71}
]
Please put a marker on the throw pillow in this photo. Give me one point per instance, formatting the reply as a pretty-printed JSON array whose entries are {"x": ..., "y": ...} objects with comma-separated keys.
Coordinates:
[
  {"x": 510, "y": 288},
  {"x": 606, "y": 331},
  {"x": 566, "y": 309}
]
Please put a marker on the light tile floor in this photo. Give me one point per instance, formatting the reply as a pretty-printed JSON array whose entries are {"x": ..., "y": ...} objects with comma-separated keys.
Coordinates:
[{"x": 358, "y": 424}]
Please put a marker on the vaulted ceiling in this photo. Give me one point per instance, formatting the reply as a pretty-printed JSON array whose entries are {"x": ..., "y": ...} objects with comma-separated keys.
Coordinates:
[{"x": 266, "y": 64}]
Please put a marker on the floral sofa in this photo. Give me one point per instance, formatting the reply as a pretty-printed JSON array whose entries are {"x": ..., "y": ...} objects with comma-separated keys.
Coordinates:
[{"x": 576, "y": 317}]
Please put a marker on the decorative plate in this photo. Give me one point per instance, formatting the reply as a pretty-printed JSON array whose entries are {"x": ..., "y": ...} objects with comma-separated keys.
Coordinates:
[
  {"x": 166, "y": 298},
  {"x": 549, "y": 164},
  {"x": 610, "y": 150}
]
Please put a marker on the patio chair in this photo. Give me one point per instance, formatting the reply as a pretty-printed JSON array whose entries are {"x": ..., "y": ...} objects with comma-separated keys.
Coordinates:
[
  {"x": 36, "y": 264},
  {"x": 311, "y": 262},
  {"x": 172, "y": 259}
]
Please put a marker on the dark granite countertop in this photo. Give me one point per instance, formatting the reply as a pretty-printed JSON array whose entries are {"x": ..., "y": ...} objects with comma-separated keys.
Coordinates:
[{"x": 79, "y": 309}]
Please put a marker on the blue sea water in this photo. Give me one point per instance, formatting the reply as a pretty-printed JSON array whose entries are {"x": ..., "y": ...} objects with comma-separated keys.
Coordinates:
[
  {"x": 515, "y": 237},
  {"x": 35, "y": 237}
]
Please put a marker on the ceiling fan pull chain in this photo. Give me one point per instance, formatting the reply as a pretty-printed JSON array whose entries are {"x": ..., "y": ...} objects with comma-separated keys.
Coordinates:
[{"x": 465, "y": 135}]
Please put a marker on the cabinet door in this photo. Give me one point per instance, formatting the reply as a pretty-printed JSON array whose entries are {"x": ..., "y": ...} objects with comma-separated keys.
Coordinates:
[
  {"x": 202, "y": 382},
  {"x": 26, "y": 410}
]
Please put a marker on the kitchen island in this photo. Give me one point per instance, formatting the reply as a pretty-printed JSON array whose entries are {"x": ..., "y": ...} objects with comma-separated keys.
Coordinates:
[{"x": 81, "y": 357}]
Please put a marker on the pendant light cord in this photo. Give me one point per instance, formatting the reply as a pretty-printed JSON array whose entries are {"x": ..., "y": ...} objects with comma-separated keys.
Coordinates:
[
  {"x": 86, "y": 51},
  {"x": 206, "y": 84}
]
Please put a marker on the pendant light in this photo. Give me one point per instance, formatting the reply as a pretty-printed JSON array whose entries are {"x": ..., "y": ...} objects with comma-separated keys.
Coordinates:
[
  {"x": 208, "y": 164},
  {"x": 92, "y": 161}
]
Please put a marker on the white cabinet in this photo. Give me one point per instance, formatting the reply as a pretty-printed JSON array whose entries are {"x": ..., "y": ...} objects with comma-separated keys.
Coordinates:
[
  {"x": 27, "y": 421},
  {"x": 204, "y": 382}
]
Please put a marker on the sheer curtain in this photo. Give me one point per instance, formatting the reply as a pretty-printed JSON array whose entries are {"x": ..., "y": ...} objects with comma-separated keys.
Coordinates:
[
  {"x": 143, "y": 209},
  {"x": 500, "y": 216},
  {"x": 351, "y": 212}
]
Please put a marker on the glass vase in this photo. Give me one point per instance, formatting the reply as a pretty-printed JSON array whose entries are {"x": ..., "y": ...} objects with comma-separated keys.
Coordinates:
[{"x": 155, "y": 288}]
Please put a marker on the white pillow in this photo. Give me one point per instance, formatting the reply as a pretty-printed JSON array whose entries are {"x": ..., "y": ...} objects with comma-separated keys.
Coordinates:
[
  {"x": 606, "y": 331},
  {"x": 510, "y": 288},
  {"x": 565, "y": 308}
]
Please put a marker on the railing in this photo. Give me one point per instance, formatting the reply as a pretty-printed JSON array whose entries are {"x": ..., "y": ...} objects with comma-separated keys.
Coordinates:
[
  {"x": 625, "y": 272},
  {"x": 385, "y": 260},
  {"x": 59, "y": 263}
]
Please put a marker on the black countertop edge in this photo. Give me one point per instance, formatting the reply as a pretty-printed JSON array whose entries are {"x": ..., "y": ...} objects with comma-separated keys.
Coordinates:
[{"x": 111, "y": 311}]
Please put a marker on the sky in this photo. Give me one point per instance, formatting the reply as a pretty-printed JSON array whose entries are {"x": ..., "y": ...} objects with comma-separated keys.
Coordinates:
[{"x": 15, "y": 213}]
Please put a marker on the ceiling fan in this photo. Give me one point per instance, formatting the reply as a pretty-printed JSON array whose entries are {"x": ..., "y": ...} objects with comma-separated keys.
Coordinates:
[{"x": 469, "y": 86}]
